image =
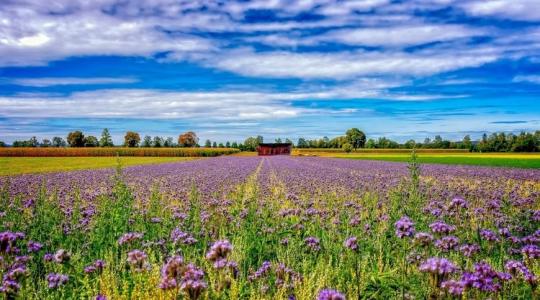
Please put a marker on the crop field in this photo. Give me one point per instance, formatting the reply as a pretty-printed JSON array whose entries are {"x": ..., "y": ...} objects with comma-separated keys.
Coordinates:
[
  {"x": 272, "y": 228},
  {"x": 434, "y": 156},
  {"x": 22, "y": 165},
  {"x": 113, "y": 151}
]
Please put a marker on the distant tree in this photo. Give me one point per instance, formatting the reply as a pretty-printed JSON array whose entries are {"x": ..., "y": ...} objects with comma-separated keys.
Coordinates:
[
  {"x": 188, "y": 139},
  {"x": 410, "y": 144},
  {"x": 33, "y": 142},
  {"x": 158, "y": 142},
  {"x": 214, "y": 145},
  {"x": 58, "y": 142},
  {"x": 356, "y": 138},
  {"x": 278, "y": 140},
  {"x": 371, "y": 144},
  {"x": 106, "y": 139},
  {"x": 132, "y": 139},
  {"x": 466, "y": 142},
  {"x": 45, "y": 143},
  {"x": 302, "y": 143},
  {"x": 2, "y": 144},
  {"x": 221, "y": 145},
  {"x": 251, "y": 143},
  {"x": 235, "y": 145},
  {"x": 91, "y": 141},
  {"x": 147, "y": 141},
  {"x": 75, "y": 139},
  {"x": 168, "y": 142},
  {"x": 228, "y": 144},
  {"x": 208, "y": 144},
  {"x": 347, "y": 147}
]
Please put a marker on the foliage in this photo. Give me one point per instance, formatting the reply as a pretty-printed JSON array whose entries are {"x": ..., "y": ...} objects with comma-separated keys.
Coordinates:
[
  {"x": 188, "y": 139},
  {"x": 251, "y": 143},
  {"x": 91, "y": 141},
  {"x": 75, "y": 139},
  {"x": 347, "y": 147},
  {"x": 131, "y": 139},
  {"x": 106, "y": 139},
  {"x": 356, "y": 138},
  {"x": 58, "y": 142}
]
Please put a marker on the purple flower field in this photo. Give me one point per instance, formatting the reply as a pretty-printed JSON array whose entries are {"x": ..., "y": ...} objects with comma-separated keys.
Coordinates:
[{"x": 272, "y": 228}]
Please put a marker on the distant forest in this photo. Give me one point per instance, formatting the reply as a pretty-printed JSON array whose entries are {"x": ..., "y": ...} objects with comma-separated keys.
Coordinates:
[{"x": 351, "y": 140}]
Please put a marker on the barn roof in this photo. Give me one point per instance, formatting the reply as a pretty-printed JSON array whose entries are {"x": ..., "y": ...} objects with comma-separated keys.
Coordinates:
[{"x": 275, "y": 144}]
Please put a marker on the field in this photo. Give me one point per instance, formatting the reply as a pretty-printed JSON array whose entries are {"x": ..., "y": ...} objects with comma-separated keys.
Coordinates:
[
  {"x": 515, "y": 160},
  {"x": 22, "y": 165},
  {"x": 272, "y": 228},
  {"x": 114, "y": 151}
]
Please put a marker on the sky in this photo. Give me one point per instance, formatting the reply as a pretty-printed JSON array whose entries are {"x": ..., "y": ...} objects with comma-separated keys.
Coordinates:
[{"x": 232, "y": 69}]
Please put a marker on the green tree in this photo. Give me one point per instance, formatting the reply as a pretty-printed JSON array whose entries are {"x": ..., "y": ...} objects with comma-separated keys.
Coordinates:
[
  {"x": 251, "y": 143},
  {"x": 91, "y": 141},
  {"x": 45, "y": 143},
  {"x": 347, "y": 147},
  {"x": 2, "y": 144},
  {"x": 228, "y": 144},
  {"x": 75, "y": 139},
  {"x": 106, "y": 139},
  {"x": 58, "y": 142},
  {"x": 356, "y": 138},
  {"x": 132, "y": 139},
  {"x": 168, "y": 142},
  {"x": 208, "y": 144},
  {"x": 147, "y": 141},
  {"x": 466, "y": 142},
  {"x": 158, "y": 142},
  {"x": 302, "y": 143},
  {"x": 214, "y": 145},
  {"x": 234, "y": 145}
]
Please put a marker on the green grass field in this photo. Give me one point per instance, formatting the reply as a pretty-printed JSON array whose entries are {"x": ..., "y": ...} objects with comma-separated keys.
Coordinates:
[
  {"x": 528, "y": 160},
  {"x": 22, "y": 165}
]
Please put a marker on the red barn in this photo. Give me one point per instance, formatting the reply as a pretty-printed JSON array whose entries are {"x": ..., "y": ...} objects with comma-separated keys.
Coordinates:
[{"x": 274, "y": 149}]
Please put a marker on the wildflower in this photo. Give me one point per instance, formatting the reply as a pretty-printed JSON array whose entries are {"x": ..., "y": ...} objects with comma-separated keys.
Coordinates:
[
  {"x": 469, "y": 250},
  {"x": 404, "y": 227},
  {"x": 441, "y": 227},
  {"x": 97, "y": 266},
  {"x": 9, "y": 287},
  {"x": 61, "y": 256},
  {"x": 458, "y": 203},
  {"x": 484, "y": 278},
  {"x": 129, "y": 238},
  {"x": 33, "y": 246},
  {"x": 329, "y": 294},
  {"x": 312, "y": 243},
  {"x": 351, "y": 243},
  {"x": 192, "y": 282},
  {"x": 453, "y": 287},
  {"x": 531, "y": 251},
  {"x": 48, "y": 257},
  {"x": 8, "y": 241},
  {"x": 423, "y": 238},
  {"x": 178, "y": 236},
  {"x": 138, "y": 260},
  {"x": 447, "y": 243},
  {"x": 100, "y": 297},
  {"x": 263, "y": 270},
  {"x": 219, "y": 250},
  {"x": 489, "y": 235},
  {"x": 440, "y": 266},
  {"x": 56, "y": 280}
]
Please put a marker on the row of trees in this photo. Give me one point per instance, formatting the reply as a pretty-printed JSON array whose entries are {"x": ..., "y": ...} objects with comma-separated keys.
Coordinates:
[{"x": 353, "y": 139}]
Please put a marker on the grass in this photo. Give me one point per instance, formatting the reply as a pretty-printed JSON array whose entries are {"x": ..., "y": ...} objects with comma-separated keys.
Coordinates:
[
  {"x": 514, "y": 160},
  {"x": 22, "y": 165}
]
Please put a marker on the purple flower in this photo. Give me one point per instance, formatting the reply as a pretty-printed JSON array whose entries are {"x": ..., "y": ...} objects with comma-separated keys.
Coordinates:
[
  {"x": 48, "y": 257},
  {"x": 219, "y": 250},
  {"x": 34, "y": 246},
  {"x": 329, "y": 294},
  {"x": 457, "y": 203},
  {"x": 469, "y": 250},
  {"x": 178, "y": 236},
  {"x": 484, "y": 278},
  {"x": 453, "y": 287},
  {"x": 440, "y": 266},
  {"x": 441, "y": 227},
  {"x": 404, "y": 227},
  {"x": 531, "y": 251},
  {"x": 263, "y": 270},
  {"x": 101, "y": 297},
  {"x": 138, "y": 260},
  {"x": 489, "y": 235},
  {"x": 97, "y": 266},
  {"x": 56, "y": 280},
  {"x": 9, "y": 287},
  {"x": 61, "y": 256},
  {"x": 129, "y": 238},
  {"x": 351, "y": 243},
  {"x": 8, "y": 241},
  {"x": 447, "y": 243},
  {"x": 313, "y": 243},
  {"x": 192, "y": 282},
  {"x": 423, "y": 238}
]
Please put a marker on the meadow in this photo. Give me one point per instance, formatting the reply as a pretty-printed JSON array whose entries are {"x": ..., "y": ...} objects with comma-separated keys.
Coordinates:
[
  {"x": 272, "y": 228},
  {"x": 433, "y": 156},
  {"x": 23, "y": 165}
]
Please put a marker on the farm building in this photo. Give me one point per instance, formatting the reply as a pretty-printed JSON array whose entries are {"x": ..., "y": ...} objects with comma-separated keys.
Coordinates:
[{"x": 274, "y": 149}]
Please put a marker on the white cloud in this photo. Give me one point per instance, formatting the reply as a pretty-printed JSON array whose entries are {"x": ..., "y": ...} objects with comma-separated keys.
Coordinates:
[
  {"x": 400, "y": 35},
  {"x": 526, "y": 10},
  {"x": 527, "y": 78},
  {"x": 342, "y": 65},
  {"x": 52, "y": 81}
]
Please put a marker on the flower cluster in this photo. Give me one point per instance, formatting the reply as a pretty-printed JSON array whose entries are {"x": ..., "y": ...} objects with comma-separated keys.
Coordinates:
[
  {"x": 404, "y": 227},
  {"x": 138, "y": 260},
  {"x": 328, "y": 294}
]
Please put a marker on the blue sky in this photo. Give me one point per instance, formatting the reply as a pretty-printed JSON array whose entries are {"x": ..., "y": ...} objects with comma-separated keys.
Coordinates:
[{"x": 233, "y": 69}]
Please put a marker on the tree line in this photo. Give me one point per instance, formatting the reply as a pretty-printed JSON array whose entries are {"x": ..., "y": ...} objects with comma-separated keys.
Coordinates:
[{"x": 351, "y": 140}]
